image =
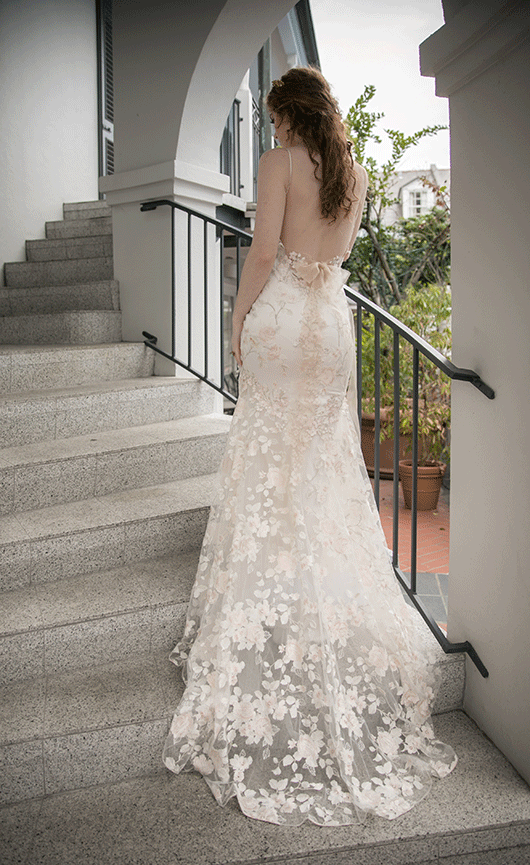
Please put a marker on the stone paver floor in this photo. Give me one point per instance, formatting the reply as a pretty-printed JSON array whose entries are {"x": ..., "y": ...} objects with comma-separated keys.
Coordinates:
[{"x": 433, "y": 546}]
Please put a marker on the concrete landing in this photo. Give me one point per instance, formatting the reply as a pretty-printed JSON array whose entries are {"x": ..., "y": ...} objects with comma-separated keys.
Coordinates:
[{"x": 479, "y": 815}]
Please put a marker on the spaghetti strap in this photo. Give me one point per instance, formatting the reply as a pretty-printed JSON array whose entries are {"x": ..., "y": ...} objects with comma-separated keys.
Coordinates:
[{"x": 290, "y": 169}]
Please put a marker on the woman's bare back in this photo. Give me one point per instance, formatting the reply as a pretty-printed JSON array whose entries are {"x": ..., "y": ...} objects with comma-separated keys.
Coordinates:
[{"x": 304, "y": 230}]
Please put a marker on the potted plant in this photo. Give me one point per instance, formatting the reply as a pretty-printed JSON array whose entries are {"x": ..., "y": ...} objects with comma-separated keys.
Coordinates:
[
  {"x": 386, "y": 442},
  {"x": 427, "y": 311}
]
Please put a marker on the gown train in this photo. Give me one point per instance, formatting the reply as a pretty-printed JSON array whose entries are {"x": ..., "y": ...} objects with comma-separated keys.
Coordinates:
[{"x": 308, "y": 692}]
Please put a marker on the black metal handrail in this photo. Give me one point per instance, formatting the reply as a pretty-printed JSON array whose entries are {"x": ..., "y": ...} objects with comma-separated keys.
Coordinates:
[
  {"x": 420, "y": 346},
  {"x": 229, "y": 236}
]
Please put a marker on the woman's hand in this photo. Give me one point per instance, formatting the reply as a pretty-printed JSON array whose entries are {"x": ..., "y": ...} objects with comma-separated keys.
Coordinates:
[{"x": 236, "y": 341}]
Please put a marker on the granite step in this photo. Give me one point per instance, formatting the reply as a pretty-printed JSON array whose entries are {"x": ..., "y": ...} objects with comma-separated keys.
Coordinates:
[
  {"x": 109, "y": 615},
  {"x": 106, "y": 616},
  {"x": 65, "y": 470},
  {"x": 45, "y": 415},
  {"x": 72, "y": 327},
  {"x": 25, "y": 274},
  {"x": 479, "y": 815},
  {"x": 64, "y": 249},
  {"x": 65, "y": 228},
  {"x": 86, "y": 210},
  {"x": 104, "y": 721},
  {"x": 67, "y": 540},
  {"x": 60, "y": 298},
  {"x": 71, "y": 722},
  {"x": 37, "y": 367}
]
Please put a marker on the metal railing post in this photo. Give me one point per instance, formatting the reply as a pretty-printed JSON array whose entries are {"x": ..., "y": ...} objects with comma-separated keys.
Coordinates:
[{"x": 395, "y": 476}]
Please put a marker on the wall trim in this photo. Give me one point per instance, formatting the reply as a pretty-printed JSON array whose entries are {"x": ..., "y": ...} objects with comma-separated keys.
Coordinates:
[
  {"x": 173, "y": 179},
  {"x": 479, "y": 36}
]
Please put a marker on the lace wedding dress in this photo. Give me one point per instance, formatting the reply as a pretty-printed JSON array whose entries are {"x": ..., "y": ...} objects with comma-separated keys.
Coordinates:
[{"x": 307, "y": 692}]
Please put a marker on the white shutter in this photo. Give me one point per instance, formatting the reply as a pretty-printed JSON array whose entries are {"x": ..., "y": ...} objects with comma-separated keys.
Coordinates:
[{"x": 105, "y": 88}]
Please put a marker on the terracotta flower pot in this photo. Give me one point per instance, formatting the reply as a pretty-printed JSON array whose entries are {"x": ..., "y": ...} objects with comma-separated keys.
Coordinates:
[
  {"x": 386, "y": 447},
  {"x": 429, "y": 483}
]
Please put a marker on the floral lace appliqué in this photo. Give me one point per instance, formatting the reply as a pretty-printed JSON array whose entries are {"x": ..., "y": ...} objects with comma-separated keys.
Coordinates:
[{"x": 307, "y": 691}]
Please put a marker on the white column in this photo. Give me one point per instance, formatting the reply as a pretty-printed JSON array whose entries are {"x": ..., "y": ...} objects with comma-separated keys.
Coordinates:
[{"x": 481, "y": 60}]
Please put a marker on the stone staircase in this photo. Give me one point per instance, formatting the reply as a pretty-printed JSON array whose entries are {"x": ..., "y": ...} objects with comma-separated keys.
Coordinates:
[
  {"x": 106, "y": 476},
  {"x": 102, "y": 467}
]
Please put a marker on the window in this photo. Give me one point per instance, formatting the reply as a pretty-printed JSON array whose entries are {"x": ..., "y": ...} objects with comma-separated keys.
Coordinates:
[
  {"x": 229, "y": 151},
  {"x": 417, "y": 202}
]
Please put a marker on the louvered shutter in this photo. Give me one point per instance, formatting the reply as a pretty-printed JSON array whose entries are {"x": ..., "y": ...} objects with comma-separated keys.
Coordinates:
[{"x": 105, "y": 88}]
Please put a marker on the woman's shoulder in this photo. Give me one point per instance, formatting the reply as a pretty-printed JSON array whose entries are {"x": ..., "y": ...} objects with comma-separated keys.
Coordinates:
[
  {"x": 360, "y": 171},
  {"x": 275, "y": 166},
  {"x": 277, "y": 156},
  {"x": 361, "y": 179}
]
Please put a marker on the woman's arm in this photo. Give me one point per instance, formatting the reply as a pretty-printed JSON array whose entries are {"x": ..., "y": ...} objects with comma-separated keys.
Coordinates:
[
  {"x": 360, "y": 190},
  {"x": 273, "y": 182}
]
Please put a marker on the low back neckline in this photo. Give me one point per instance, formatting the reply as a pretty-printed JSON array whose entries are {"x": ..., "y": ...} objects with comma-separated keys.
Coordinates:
[
  {"x": 336, "y": 260},
  {"x": 300, "y": 256}
]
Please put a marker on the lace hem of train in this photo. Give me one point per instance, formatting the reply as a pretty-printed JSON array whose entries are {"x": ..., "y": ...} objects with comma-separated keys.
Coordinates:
[{"x": 307, "y": 694}]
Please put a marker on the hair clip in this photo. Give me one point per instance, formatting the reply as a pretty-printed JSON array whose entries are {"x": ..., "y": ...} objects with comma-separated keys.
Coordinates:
[{"x": 278, "y": 82}]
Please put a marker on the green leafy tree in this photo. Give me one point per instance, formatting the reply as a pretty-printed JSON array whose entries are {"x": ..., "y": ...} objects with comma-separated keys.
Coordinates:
[{"x": 386, "y": 259}]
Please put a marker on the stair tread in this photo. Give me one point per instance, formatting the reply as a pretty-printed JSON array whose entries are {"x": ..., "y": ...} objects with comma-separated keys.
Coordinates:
[
  {"x": 55, "y": 348},
  {"x": 150, "y": 583},
  {"x": 147, "y": 585},
  {"x": 69, "y": 248},
  {"x": 65, "y": 314},
  {"x": 453, "y": 819},
  {"x": 88, "y": 598},
  {"x": 92, "y": 204},
  {"x": 114, "y": 509},
  {"x": 23, "y": 301},
  {"x": 48, "y": 289},
  {"x": 58, "y": 272},
  {"x": 61, "y": 327},
  {"x": 118, "y": 440},
  {"x": 102, "y": 696},
  {"x": 42, "y": 265},
  {"x": 105, "y": 386}
]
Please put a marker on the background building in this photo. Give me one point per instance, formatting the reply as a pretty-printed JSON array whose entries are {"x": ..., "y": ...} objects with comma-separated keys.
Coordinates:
[{"x": 415, "y": 197}]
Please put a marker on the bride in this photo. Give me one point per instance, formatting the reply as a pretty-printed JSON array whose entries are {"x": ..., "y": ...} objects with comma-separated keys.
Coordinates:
[{"x": 307, "y": 693}]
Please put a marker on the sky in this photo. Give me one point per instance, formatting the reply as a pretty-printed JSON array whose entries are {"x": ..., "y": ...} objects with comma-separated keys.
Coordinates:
[{"x": 377, "y": 42}]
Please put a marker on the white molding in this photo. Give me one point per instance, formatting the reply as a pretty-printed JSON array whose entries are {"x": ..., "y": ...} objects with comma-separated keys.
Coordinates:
[
  {"x": 174, "y": 180},
  {"x": 483, "y": 33},
  {"x": 235, "y": 202}
]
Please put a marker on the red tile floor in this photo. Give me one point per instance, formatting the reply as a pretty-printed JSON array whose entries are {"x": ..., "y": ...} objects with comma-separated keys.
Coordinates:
[
  {"x": 433, "y": 546},
  {"x": 433, "y": 531}
]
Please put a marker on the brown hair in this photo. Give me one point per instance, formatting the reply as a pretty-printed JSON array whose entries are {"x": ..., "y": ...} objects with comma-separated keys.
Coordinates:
[{"x": 303, "y": 97}]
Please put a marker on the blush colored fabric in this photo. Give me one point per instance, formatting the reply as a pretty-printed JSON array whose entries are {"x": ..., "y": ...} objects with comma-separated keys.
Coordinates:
[{"x": 307, "y": 689}]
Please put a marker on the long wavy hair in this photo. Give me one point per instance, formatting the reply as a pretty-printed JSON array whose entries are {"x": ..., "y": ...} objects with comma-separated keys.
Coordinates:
[{"x": 303, "y": 97}]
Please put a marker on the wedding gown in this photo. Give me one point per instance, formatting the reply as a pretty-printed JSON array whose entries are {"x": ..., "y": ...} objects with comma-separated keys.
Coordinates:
[{"x": 307, "y": 693}]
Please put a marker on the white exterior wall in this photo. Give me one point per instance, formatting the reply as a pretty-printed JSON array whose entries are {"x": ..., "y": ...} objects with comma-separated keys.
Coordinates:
[
  {"x": 487, "y": 76},
  {"x": 48, "y": 133}
]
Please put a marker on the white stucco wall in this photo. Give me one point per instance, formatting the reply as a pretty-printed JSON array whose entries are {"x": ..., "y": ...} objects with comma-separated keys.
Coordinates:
[
  {"x": 490, "y": 468},
  {"x": 481, "y": 60},
  {"x": 48, "y": 133}
]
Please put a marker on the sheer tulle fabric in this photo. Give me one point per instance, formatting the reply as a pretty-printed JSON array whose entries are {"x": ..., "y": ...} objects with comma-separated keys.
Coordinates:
[{"x": 307, "y": 693}]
